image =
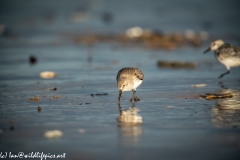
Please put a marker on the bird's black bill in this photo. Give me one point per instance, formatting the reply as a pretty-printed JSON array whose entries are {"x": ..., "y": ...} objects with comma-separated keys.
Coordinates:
[
  {"x": 120, "y": 95},
  {"x": 207, "y": 50}
]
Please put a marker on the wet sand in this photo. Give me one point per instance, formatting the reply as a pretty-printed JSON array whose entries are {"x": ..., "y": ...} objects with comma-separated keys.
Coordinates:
[{"x": 191, "y": 127}]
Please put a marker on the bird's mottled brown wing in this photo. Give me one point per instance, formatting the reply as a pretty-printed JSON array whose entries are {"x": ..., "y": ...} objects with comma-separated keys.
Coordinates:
[
  {"x": 125, "y": 72},
  {"x": 121, "y": 73},
  {"x": 228, "y": 50},
  {"x": 236, "y": 51}
]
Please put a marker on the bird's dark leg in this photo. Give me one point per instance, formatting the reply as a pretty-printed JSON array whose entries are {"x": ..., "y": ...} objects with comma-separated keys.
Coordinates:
[
  {"x": 133, "y": 105},
  {"x": 120, "y": 108},
  {"x": 134, "y": 97},
  {"x": 120, "y": 95},
  {"x": 224, "y": 74}
]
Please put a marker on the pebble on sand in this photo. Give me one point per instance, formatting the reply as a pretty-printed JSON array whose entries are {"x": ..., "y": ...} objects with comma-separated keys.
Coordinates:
[
  {"x": 81, "y": 130},
  {"x": 39, "y": 109},
  {"x": 198, "y": 85},
  {"x": 34, "y": 98},
  {"x": 56, "y": 97},
  {"x": 48, "y": 74},
  {"x": 32, "y": 59},
  {"x": 134, "y": 32},
  {"x": 53, "y": 134},
  {"x": 53, "y": 89}
]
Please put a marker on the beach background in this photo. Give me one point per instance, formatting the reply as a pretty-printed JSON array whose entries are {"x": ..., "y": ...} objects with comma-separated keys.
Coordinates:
[{"x": 85, "y": 42}]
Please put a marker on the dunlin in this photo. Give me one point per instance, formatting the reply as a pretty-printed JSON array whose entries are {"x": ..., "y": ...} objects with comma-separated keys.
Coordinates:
[
  {"x": 129, "y": 79},
  {"x": 226, "y": 54}
]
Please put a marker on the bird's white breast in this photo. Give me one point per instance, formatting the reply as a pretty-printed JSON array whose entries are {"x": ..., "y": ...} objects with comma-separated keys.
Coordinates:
[
  {"x": 230, "y": 62},
  {"x": 136, "y": 84}
]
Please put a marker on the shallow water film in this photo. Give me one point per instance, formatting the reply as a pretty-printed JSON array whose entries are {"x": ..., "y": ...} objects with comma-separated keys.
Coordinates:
[{"x": 58, "y": 91}]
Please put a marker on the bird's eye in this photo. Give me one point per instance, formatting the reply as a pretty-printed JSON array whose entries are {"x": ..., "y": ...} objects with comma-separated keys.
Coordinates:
[{"x": 124, "y": 85}]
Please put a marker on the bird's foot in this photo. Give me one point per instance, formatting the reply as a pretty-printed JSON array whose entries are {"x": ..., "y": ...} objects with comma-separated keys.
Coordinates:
[
  {"x": 134, "y": 99},
  {"x": 221, "y": 76}
]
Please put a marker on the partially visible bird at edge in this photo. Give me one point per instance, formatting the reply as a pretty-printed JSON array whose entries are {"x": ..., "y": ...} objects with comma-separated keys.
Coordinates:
[{"x": 226, "y": 54}]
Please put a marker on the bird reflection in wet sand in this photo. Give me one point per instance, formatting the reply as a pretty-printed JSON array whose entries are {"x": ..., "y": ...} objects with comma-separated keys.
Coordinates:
[
  {"x": 226, "y": 54},
  {"x": 129, "y": 79},
  {"x": 226, "y": 114},
  {"x": 130, "y": 121},
  {"x": 222, "y": 85}
]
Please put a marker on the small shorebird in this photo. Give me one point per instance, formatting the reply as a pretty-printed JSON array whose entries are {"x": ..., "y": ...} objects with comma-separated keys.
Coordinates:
[
  {"x": 129, "y": 79},
  {"x": 226, "y": 54}
]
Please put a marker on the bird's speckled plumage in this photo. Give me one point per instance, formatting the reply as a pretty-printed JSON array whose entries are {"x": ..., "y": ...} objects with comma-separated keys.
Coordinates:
[
  {"x": 227, "y": 51},
  {"x": 226, "y": 54},
  {"x": 129, "y": 79}
]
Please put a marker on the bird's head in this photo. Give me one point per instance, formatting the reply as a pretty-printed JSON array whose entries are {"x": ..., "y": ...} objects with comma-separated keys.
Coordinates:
[
  {"x": 215, "y": 45},
  {"x": 122, "y": 84}
]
